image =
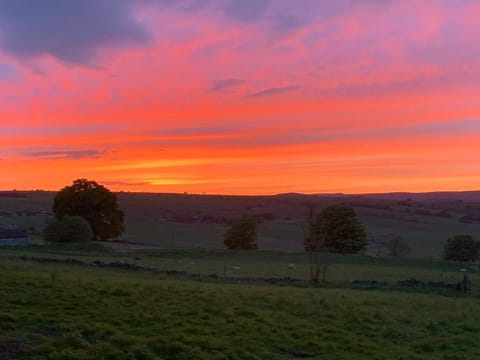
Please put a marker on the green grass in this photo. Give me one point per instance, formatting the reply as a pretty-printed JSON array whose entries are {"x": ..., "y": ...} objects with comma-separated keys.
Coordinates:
[
  {"x": 61, "y": 312},
  {"x": 341, "y": 268}
]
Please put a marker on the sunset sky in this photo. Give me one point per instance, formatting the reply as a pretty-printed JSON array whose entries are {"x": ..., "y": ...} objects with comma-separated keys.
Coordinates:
[{"x": 240, "y": 96}]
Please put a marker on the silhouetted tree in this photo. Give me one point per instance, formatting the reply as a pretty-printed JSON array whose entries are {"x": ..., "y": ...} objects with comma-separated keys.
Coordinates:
[
  {"x": 462, "y": 248},
  {"x": 68, "y": 229},
  {"x": 339, "y": 230},
  {"x": 242, "y": 234},
  {"x": 93, "y": 202}
]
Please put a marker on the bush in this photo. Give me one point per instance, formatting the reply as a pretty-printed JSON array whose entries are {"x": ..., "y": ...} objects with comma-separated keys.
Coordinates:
[
  {"x": 68, "y": 229},
  {"x": 462, "y": 248},
  {"x": 242, "y": 234}
]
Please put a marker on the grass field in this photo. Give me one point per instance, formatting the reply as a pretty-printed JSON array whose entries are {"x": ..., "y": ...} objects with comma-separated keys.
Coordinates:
[
  {"x": 341, "y": 268},
  {"x": 68, "y": 312}
]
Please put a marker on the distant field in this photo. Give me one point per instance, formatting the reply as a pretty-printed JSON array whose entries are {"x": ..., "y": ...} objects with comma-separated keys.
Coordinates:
[
  {"x": 68, "y": 312},
  {"x": 179, "y": 221}
]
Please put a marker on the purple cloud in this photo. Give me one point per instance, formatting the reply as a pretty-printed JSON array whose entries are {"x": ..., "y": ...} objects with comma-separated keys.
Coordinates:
[
  {"x": 285, "y": 15},
  {"x": 8, "y": 72},
  {"x": 246, "y": 10},
  {"x": 226, "y": 84},
  {"x": 69, "y": 30}
]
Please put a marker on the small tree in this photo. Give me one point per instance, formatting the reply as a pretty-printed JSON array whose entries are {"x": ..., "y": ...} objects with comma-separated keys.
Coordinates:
[
  {"x": 68, "y": 229},
  {"x": 95, "y": 203},
  {"x": 242, "y": 234},
  {"x": 340, "y": 230},
  {"x": 397, "y": 247},
  {"x": 461, "y": 248}
]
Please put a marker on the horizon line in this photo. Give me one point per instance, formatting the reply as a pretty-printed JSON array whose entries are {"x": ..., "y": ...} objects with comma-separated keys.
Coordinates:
[{"x": 272, "y": 194}]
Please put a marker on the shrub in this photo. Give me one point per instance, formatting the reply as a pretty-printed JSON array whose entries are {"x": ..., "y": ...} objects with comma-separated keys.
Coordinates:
[
  {"x": 68, "y": 229},
  {"x": 242, "y": 234},
  {"x": 462, "y": 248}
]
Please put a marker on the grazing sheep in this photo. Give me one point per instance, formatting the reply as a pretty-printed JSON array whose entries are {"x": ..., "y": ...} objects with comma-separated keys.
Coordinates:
[{"x": 291, "y": 266}]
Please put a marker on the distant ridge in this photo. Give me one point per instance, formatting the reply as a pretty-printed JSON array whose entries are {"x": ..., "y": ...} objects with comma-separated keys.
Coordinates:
[
  {"x": 434, "y": 195},
  {"x": 290, "y": 194},
  {"x": 469, "y": 196},
  {"x": 293, "y": 195}
]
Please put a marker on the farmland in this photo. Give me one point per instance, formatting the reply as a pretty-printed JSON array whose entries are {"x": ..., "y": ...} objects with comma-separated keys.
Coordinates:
[
  {"x": 169, "y": 290},
  {"x": 183, "y": 221}
]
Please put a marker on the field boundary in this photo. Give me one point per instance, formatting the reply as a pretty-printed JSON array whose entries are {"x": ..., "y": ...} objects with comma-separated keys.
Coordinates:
[{"x": 440, "y": 287}]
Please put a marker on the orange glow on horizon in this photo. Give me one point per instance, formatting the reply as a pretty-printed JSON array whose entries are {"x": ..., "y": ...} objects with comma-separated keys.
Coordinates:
[{"x": 372, "y": 98}]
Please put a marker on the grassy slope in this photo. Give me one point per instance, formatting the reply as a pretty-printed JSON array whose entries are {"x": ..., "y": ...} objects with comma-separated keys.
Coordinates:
[{"x": 61, "y": 312}]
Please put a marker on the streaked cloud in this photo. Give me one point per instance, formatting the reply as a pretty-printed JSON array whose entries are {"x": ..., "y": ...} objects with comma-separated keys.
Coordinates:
[
  {"x": 227, "y": 84},
  {"x": 125, "y": 183},
  {"x": 273, "y": 91},
  {"x": 203, "y": 130},
  {"x": 69, "y": 154}
]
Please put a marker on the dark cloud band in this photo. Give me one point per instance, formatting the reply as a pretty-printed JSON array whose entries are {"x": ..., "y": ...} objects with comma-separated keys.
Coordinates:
[{"x": 69, "y": 30}]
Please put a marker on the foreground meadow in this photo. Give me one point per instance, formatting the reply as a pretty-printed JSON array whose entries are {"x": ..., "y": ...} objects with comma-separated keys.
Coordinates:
[{"x": 69, "y": 312}]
